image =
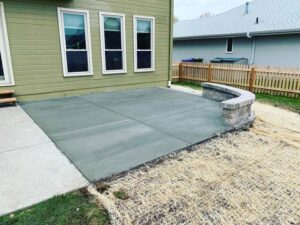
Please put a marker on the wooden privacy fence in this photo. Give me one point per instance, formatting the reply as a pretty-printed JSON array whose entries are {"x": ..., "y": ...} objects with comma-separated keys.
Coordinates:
[{"x": 258, "y": 79}]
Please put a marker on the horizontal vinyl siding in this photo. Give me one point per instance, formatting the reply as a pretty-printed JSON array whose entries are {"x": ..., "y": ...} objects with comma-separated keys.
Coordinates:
[
  {"x": 35, "y": 46},
  {"x": 209, "y": 49}
]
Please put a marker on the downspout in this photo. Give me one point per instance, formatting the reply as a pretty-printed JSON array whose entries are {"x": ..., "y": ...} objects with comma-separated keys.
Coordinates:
[
  {"x": 253, "y": 48},
  {"x": 171, "y": 43}
]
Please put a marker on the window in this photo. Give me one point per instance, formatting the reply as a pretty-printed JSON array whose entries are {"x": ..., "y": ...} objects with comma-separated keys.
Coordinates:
[
  {"x": 113, "y": 43},
  {"x": 144, "y": 44},
  {"x": 6, "y": 72},
  {"x": 75, "y": 42},
  {"x": 229, "y": 45}
]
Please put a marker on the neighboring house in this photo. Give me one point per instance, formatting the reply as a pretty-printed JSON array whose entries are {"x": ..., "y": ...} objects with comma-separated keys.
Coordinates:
[
  {"x": 52, "y": 48},
  {"x": 265, "y": 32}
]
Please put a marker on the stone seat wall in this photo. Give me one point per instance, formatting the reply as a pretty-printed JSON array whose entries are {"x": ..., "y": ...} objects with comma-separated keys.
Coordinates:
[{"x": 235, "y": 103}]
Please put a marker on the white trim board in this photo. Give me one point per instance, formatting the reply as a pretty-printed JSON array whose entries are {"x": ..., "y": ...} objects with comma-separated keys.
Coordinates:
[
  {"x": 153, "y": 35},
  {"x": 5, "y": 51},
  {"x": 85, "y": 13},
  {"x": 102, "y": 14}
]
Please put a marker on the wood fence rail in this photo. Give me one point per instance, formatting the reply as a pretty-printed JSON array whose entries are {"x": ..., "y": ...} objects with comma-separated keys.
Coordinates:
[{"x": 270, "y": 80}]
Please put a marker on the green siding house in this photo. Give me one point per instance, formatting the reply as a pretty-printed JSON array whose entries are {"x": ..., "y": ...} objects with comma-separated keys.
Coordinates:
[{"x": 52, "y": 48}]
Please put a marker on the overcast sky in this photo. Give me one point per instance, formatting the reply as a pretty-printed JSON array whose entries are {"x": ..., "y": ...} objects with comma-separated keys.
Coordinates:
[{"x": 191, "y": 9}]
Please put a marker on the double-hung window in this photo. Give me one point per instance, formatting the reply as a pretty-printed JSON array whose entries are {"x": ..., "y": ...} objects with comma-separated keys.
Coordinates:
[
  {"x": 144, "y": 43},
  {"x": 113, "y": 43},
  {"x": 6, "y": 72},
  {"x": 75, "y": 42}
]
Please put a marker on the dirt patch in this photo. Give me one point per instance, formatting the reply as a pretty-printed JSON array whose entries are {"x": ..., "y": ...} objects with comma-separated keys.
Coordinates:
[{"x": 244, "y": 178}]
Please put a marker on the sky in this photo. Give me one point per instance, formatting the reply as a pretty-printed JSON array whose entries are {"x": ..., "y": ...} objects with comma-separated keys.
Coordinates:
[{"x": 191, "y": 9}]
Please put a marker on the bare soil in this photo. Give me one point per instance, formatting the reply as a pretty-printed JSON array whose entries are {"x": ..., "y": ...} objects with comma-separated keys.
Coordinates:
[{"x": 249, "y": 177}]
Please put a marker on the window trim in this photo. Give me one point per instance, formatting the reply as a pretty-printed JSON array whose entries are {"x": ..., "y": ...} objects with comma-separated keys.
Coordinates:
[
  {"x": 5, "y": 51},
  {"x": 153, "y": 37},
  {"x": 226, "y": 50},
  {"x": 123, "y": 42},
  {"x": 60, "y": 12}
]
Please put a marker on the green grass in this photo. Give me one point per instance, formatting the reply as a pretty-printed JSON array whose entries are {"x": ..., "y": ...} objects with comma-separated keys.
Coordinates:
[
  {"x": 292, "y": 104},
  {"x": 188, "y": 84},
  {"x": 121, "y": 195},
  {"x": 70, "y": 209}
]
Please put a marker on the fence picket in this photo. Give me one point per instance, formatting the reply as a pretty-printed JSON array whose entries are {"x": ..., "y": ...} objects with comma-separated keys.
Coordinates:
[{"x": 271, "y": 80}]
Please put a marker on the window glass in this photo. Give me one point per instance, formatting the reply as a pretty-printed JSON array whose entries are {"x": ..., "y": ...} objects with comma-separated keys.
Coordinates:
[
  {"x": 113, "y": 44},
  {"x": 112, "y": 24},
  {"x": 77, "y": 61},
  {"x": 74, "y": 20},
  {"x": 6, "y": 72},
  {"x": 229, "y": 44},
  {"x": 144, "y": 41},
  {"x": 75, "y": 38},
  {"x": 1, "y": 69},
  {"x": 144, "y": 60},
  {"x": 114, "y": 60},
  {"x": 112, "y": 33},
  {"x": 76, "y": 45},
  {"x": 143, "y": 26}
]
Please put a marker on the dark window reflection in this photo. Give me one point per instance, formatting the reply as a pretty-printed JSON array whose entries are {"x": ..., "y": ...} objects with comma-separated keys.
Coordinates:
[
  {"x": 114, "y": 60},
  {"x": 113, "y": 40},
  {"x": 229, "y": 45},
  {"x": 77, "y": 61},
  {"x": 1, "y": 69},
  {"x": 144, "y": 60},
  {"x": 75, "y": 38},
  {"x": 144, "y": 40}
]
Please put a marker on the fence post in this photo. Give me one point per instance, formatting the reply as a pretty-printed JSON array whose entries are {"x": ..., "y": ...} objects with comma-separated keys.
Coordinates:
[
  {"x": 180, "y": 72},
  {"x": 209, "y": 78},
  {"x": 252, "y": 79}
]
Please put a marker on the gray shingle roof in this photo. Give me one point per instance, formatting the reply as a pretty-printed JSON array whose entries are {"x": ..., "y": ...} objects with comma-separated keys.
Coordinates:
[{"x": 275, "y": 16}]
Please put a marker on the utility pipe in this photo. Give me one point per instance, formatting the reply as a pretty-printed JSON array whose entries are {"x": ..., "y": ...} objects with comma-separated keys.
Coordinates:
[{"x": 253, "y": 48}]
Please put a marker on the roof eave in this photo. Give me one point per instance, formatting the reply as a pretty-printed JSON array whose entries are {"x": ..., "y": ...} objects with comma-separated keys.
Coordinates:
[
  {"x": 258, "y": 33},
  {"x": 210, "y": 36},
  {"x": 275, "y": 32}
]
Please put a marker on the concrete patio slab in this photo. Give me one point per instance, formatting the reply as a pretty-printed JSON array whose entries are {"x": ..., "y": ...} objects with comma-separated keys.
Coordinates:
[
  {"x": 189, "y": 127},
  {"x": 32, "y": 169},
  {"x": 104, "y": 134},
  {"x": 98, "y": 155}
]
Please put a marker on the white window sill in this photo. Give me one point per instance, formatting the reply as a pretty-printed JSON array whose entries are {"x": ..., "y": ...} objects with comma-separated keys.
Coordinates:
[
  {"x": 117, "y": 72},
  {"x": 79, "y": 75},
  {"x": 144, "y": 70},
  {"x": 7, "y": 84}
]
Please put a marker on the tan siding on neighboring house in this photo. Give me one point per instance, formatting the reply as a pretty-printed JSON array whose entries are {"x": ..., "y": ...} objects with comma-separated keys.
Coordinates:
[{"x": 36, "y": 55}]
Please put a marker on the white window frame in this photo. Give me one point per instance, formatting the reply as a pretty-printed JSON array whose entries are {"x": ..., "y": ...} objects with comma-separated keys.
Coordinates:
[
  {"x": 153, "y": 35},
  {"x": 102, "y": 14},
  {"x": 5, "y": 51},
  {"x": 226, "y": 50},
  {"x": 63, "y": 41}
]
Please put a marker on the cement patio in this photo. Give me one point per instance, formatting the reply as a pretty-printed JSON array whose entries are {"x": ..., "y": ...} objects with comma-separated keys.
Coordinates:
[{"x": 105, "y": 134}]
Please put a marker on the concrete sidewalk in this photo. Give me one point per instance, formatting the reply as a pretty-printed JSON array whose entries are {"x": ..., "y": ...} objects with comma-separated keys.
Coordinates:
[{"x": 32, "y": 169}]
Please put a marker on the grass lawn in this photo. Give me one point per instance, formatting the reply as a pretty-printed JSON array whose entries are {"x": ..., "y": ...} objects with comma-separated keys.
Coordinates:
[
  {"x": 189, "y": 84},
  {"x": 70, "y": 209},
  {"x": 292, "y": 104}
]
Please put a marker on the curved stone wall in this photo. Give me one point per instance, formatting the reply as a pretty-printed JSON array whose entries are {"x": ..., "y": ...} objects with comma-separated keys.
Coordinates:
[{"x": 236, "y": 104}]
